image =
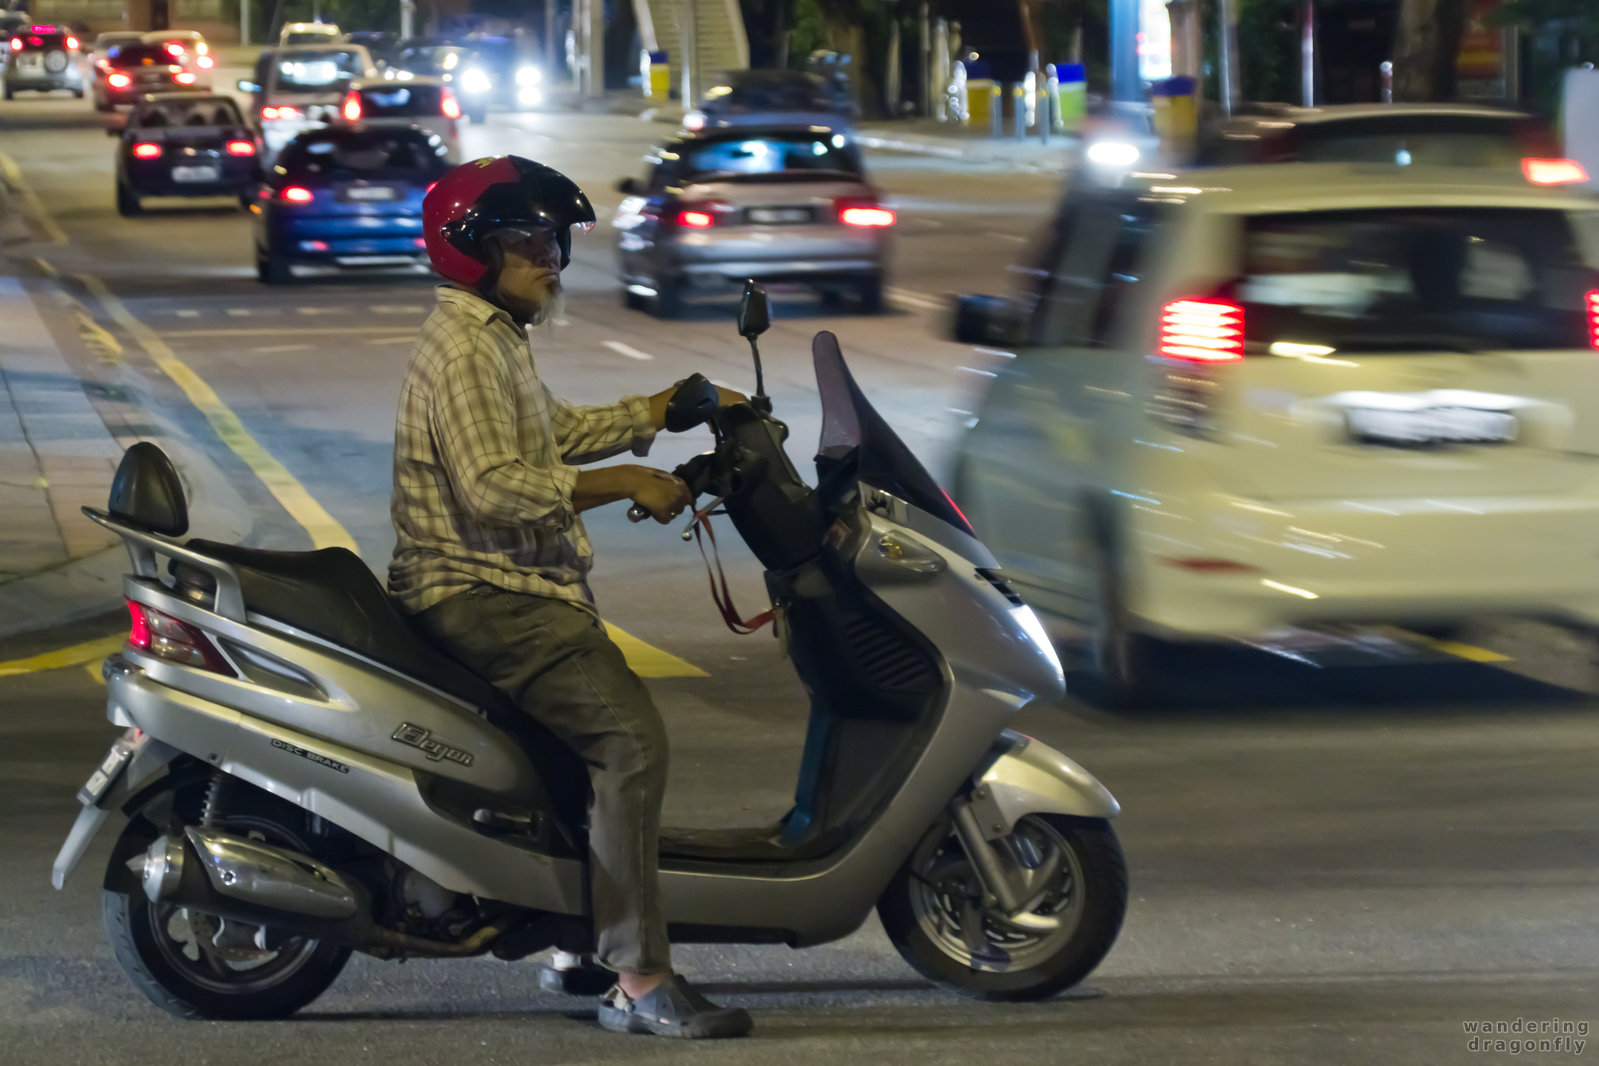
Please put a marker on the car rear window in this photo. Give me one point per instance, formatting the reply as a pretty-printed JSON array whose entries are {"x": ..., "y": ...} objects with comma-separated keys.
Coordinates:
[
  {"x": 1429, "y": 140},
  {"x": 211, "y": 111},
  {"x": 1452, "y": 279},
  {"x": 138, "y": 54},
  {"x": 768, "y": 154},
  {"x": 756, "y": 96},
  {"x": 401, "y": 101},
  {"x": 318, "y": 71},
  {"x": 362, "y": 153}
]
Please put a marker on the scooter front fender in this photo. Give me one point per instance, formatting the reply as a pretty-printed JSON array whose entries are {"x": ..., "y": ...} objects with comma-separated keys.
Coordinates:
[
  {"x": 1030, "y": 777},
  {"x": 150, "y": 760}
]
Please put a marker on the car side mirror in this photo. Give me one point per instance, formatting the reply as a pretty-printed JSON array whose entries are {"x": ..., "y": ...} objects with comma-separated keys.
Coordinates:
[
  {"x": 628, "y": 187},
  {"x": 248, "y": 86},
  {"x": 754, "y": 311},
  {"x": 693, "y": 403},
  {"x": 984, "y": 320}
]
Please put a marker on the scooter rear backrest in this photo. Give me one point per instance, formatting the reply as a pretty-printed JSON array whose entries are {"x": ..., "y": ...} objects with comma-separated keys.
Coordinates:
[{"x": 147, "y": 493}]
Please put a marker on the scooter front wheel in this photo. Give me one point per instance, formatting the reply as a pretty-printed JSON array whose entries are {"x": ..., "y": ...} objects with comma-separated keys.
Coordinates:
[{"x": 1073, "y": 877}]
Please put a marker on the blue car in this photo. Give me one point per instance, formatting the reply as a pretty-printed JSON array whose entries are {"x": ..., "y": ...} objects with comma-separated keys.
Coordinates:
[{"x": 343, "y": 196}]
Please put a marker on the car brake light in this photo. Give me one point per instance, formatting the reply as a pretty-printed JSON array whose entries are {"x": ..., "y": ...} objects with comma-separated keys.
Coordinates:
[
  {"x": 1202, "y": 331},
  {"x": 177, "y": 642},
  {"x": 284, "y": 111},
  {"x": 146, "y": 150},
  {"x": 72, "y": 43},
  {"x": 352, "y": 107},
  {"x": 206, "y": 62},
  {"x": 1592, "y": 300},
  {"x": 865, "y": 214},
  {"x": 16, "y": 44},
  {"x": 174, "y": 49},
  {"x": 296, "y": 194},
  {"x": 449, "y": 105},
  {"x": 696, "y": 219},
  {"x": 1553, "y": 171},
  {"x": 36, "y": 42},
  {"x": 184, "y": 78},
  {"x": 119, "y": 81},
  {"x": 241, "y": 148}
]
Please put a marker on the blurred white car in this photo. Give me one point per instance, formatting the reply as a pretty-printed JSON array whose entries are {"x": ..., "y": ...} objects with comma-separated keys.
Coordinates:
[
  {"x": 423, "y": 102},
  {"x": 323, "y": 33},
  {"x": 1242, "y": 400},
  {"x": 301, "y": 87}
]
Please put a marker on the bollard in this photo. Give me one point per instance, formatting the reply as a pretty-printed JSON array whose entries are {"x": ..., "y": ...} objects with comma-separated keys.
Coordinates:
[
  {"x": 996, "y": 111},
  {"x": 1047, "y": 104},
  {"x": 1019, "y": 102}
]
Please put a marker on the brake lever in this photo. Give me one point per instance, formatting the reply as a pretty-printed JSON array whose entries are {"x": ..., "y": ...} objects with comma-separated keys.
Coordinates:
[{"x": 688, "y": 530}]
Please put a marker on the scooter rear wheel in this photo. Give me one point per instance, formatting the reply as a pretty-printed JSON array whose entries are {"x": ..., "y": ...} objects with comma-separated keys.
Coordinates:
[
  {"x": 197, "y": 966},
  {"x": 934, "y": 913}
]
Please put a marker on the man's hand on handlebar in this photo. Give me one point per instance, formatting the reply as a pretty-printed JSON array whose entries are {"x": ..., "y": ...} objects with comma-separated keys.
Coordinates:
[
  {"x": 725, "y": 398},
  {"x": 661, "y": 495}
]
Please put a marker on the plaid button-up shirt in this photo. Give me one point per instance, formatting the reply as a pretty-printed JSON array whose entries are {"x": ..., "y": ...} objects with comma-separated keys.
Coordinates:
[{"x": 485, "y": 462}]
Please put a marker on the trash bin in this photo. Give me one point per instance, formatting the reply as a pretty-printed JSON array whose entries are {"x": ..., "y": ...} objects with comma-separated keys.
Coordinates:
[
  {"x": 1073, "y": 89},
  {"x": 1176, "y": 103},
  {"x": 657, "y": 76},
  {"x": 982, "y": 95}
]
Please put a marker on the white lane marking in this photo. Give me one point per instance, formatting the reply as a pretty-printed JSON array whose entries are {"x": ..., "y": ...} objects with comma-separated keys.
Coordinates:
[
  {"x": 188, "y": 314},
  {"x": 921, "y": 301},
  {"x": 1018, "y": 238},
  {"x": 321, "y": 310},
  {"x": 239, "y": 312},
  {"x": 397, "y": 309},
  {"x": 390, "y": 340},
  {"x": 627, "y": 349},
  {"x": 282, "y": 348}
]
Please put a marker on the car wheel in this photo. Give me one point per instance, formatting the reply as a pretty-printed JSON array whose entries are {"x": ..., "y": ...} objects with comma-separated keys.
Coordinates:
[
  {"x": 668, "y": 302},
  {"x": 127, "y": 203},
  {"x": 246, "y": 199},
  {"x": 272, "y": 269},
  {"x": 11, "y": 93},
  {"x": 77, "y": 94},
  {"x": 1120, "y": 661},
  {"x": 632, "y": 300},
  {"x": 870, "y": 296}
]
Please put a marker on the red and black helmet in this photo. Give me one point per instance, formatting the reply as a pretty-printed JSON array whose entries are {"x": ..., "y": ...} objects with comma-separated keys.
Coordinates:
[{"x": 475, "y": 199}]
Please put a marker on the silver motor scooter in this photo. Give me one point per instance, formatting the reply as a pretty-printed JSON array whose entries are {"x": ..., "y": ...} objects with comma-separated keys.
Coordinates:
[{"x": 303, "y": 777}]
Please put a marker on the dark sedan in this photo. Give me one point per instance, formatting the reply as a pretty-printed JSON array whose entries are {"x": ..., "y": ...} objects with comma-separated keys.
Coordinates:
[
  {"x": 344, "y": 196},
  {"x": 184, "y": 144}
]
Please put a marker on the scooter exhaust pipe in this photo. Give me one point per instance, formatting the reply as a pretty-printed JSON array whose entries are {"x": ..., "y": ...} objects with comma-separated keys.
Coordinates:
[{"x": 233, "y": 876}]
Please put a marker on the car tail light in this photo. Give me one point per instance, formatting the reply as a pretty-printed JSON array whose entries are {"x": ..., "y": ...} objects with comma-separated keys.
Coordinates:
[
  {"x": 1553, "y": 171},
  {"x": 1202, "y": 331},
  {"x": 16, "y": 44},
  {"x": 352, "y": 107},
  {"x": 184, "y": 78},
  {"x": 449, "y": 105},
  {"x": 178, "y": 642},
  {"x": 696, "y": 219},
  {"x": 297, "y": 194},
  {"x": 206, "y": 62},
  {"x": 147, "y": 150},
  {"x": 866, "y": 213},
  {"x": 241, "y": 148},
  {"x": 72, "y": 43},
  {"x": 1592, "y": 300},
  {"x": 314, "y": 246},
  {"x": 284, "y": 111},
  {"x": 119, "y": 81},
  {"x": 36, "y": 42},
  {"x": 174, "y": 49}
]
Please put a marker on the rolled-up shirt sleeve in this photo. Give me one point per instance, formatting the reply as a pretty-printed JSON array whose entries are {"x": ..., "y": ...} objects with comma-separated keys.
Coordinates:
[
  {"x": 587, "y": 434},
  {"x": 473, "y": 417}
]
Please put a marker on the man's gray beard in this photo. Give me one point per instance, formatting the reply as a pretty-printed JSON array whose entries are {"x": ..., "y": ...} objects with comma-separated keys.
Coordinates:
[{"x": 551, "y": 304}]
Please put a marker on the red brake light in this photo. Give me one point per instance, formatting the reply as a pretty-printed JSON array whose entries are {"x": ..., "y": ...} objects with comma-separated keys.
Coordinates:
[
  {"x": 72, "y": 43},
  {"x": 119, "y": 81},
  {"x": 241, "y": 148},
  {"x": 36, "y": 42},
  {"x": 352, "y": 107},
  {"x": 1553, "y": 171},
  {"x": 449, "y": 105},
  {"x": 296, "y": 194},
  {"x": 16, "y": 44},
  {"x": 175, "y": 641},
  {"x": 280, "y": 112},
  {"x": 184, "y": 78},
  {"x": 147, "y": 150},
  {"x": 1592, "y": 300},
  {"x": 139, "y": 632},
  {"x": 1202, "y": 331},
  {"x": 174, "y": 49},
  {"x": 695, "y": 219},
  {"x": 870, "y": 215}
]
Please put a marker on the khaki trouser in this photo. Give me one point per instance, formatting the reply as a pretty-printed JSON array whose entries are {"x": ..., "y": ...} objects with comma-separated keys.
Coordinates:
[{"x": 555, "y": 661}]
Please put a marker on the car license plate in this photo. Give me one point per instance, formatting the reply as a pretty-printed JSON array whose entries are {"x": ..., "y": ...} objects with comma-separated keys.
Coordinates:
[
  {"x": 779, "y": 215},
  {"x": 196, "y": 173},
  {"x": 29, "y": 62},
  {"x": 110, "y": 768},
  {"x": 370, "y": 192},
  {"x": 1431, "y": 427}
]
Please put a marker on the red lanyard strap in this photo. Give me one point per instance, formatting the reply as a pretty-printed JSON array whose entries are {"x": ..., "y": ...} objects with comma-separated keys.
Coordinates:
[{"x": 721, "y": 595}]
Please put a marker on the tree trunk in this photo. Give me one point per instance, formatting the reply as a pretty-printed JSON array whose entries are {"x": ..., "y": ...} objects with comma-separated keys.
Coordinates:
[{"x": 1426, "y": 45}]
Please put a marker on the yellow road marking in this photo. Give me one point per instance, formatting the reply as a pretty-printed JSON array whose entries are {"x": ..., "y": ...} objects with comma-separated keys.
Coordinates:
[
  {"x": 297, "y": 331},
  {"x": 35, "y": 207},
  {"x": 89, "y": 652},
  {"x": 324, "y": 528},
  {"x": 647, "y": 660},
  {"x": 1470, "y": 652}
]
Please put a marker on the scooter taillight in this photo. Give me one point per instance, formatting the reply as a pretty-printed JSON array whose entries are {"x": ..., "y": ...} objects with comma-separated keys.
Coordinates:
[{"x": 177, "y": 642}]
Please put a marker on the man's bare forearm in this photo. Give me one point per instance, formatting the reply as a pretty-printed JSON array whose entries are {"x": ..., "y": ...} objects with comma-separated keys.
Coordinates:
[{"x": 600, "y": 485}]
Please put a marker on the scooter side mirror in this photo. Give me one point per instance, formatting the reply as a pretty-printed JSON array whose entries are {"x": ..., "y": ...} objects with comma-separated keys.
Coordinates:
[
  {"x": 754, "y": 311},
  {"x": 693, "y": 403}
]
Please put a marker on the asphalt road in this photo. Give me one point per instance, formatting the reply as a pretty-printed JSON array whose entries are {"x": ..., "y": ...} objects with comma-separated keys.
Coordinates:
[{"x": 1329, "y": 866}]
